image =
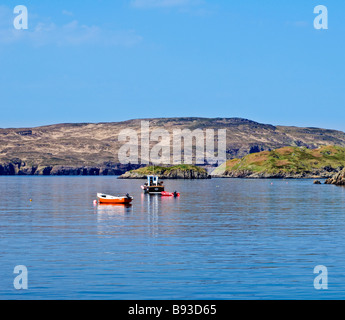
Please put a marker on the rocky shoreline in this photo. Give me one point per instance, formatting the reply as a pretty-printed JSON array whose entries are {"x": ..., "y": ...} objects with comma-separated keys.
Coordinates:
[
  {"x": 246, "y": 174},
  {"x": 18, "y": 167},
  {"x": 176, "y": 172},
  {"x": 22, "y": 169},
  {"x": 338, "y": 179},
  {"x": 177, "y": 175}
]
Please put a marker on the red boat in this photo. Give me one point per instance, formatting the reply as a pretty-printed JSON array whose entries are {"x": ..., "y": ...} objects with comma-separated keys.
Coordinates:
[{"x": 170, "y": 194}]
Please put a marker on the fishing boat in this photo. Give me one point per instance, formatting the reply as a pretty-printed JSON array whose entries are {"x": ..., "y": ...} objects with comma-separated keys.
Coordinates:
[
  {"x": 153, "y": 186},
  {"x": 107, "y": 199}
]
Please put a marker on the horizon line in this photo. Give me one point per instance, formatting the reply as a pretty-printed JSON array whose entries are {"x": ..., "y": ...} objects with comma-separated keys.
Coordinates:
[{"x": 164, "y": 118}]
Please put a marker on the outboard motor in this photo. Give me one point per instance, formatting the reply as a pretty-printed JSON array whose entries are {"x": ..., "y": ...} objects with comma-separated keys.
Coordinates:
[
  {"x": 175, "y": 194},
  {"x": 128, "y": 196}
]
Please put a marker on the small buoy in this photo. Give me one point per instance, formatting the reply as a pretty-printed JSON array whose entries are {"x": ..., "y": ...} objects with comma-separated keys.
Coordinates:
[
  {"x": 30, "y": 200},
  {"x": 94, "y": 202}
]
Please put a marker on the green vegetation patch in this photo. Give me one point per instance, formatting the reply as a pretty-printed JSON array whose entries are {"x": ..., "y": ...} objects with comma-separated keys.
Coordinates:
[
  {"x": 290, "y": 160},
  {"x": 157, "y": 170}
]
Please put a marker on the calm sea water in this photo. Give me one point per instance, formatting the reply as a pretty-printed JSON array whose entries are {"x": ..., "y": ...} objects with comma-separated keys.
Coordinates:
[{"x": 222, "y": 239}]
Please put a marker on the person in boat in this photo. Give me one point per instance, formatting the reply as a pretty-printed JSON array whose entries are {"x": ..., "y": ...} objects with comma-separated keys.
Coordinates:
[
  {"x": 128, "y": 196},
  {"x": 175, "y": 194}
]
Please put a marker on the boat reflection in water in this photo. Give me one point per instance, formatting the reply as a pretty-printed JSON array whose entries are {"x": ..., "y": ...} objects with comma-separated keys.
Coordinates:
[
  {"x": 151, "y": 205},
  {"x": 110, "y": 211},
  {"x": 112, "y": 219}
]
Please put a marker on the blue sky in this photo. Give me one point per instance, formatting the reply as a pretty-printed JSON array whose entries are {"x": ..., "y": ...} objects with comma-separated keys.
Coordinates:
[{"x": 100, "y": 61}]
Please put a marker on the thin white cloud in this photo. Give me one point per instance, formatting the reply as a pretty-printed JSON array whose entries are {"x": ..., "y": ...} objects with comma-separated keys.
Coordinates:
[{"x": 70, "y": 34}]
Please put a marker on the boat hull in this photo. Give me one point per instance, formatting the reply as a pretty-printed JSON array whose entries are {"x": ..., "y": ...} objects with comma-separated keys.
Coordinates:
[
  {"x": 106, "y": 199},
  {"x": 153, "y": 189},
  {"x": 170, "y": 194},
  {"x": 115, "y": 201}
]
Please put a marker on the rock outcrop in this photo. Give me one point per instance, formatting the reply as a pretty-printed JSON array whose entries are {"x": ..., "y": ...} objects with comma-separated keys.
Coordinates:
[
  {"x": 175, "y": 172},
  {"x": 338, "y": 179}
]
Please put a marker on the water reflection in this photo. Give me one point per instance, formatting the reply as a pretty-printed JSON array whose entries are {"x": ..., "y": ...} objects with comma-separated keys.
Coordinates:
[
  {"x": 245, "y": 239},
  {"x": 152, "y": 204},
  {"x": 111, "y": 217}
]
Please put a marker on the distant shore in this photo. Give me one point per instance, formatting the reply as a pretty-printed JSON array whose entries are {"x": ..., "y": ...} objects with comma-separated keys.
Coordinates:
[{"x": 92, "y": 148}]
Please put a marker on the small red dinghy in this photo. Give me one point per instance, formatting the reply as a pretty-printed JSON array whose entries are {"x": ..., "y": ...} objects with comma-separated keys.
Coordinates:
[{"x": 170, "y": 194}]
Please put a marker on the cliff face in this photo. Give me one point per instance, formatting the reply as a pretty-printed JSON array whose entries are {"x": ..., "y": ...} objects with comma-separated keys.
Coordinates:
[
  {"x": 14, "y": 168},
  {"x": 337, "y": 179},
  {"x": 87, "y": 148}
]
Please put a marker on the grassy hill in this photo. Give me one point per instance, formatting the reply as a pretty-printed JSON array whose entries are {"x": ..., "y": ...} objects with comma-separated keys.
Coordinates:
[{"x": 297, "y": 162}]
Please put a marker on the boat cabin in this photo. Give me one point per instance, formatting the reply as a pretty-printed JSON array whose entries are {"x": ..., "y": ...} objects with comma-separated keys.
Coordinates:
[
  {"x": 153, "y": 185},
  {"x": 152, "y": 181}
]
